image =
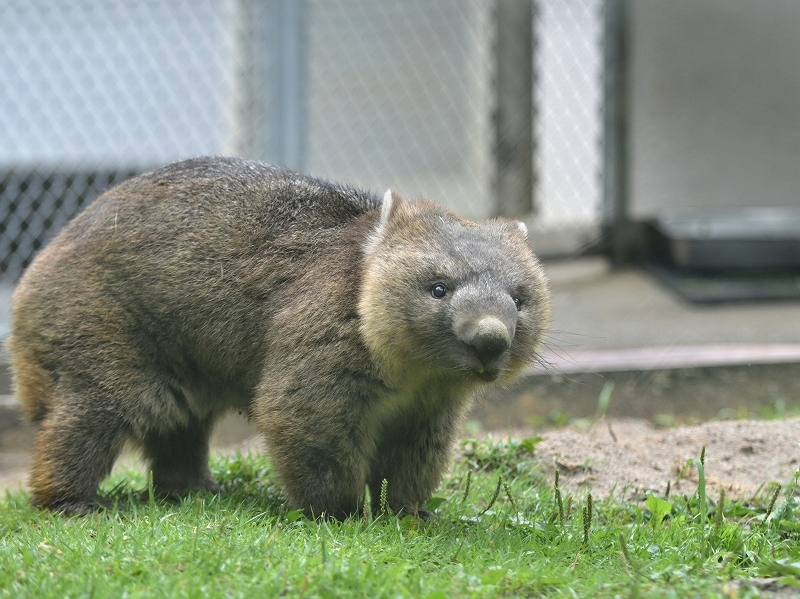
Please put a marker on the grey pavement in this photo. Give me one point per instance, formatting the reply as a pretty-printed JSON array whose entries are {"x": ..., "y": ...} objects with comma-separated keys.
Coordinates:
[{"x": 597, "y": 310}]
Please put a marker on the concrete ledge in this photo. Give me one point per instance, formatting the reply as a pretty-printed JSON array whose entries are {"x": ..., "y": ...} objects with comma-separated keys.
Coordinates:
[
  {"x": 666, "y": 357},
  {"x": 663, "y": 396}
]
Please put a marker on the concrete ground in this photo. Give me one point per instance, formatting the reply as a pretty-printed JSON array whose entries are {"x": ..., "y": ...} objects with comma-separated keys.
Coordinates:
[{"x": 597, "y": 308}]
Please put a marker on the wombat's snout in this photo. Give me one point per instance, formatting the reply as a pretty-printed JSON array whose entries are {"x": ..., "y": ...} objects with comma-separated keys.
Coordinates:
[{"x": 490, "y": 337}]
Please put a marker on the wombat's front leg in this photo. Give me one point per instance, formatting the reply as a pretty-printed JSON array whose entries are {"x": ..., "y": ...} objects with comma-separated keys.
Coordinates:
[
  {"x": 322, "y": 475},
  {"x": 320, "y": 452},
  {"x": 412, "y": 454}
]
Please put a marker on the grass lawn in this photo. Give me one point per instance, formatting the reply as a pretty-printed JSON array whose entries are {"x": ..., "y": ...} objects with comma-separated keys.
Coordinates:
[{"x": 501, "y": 530}]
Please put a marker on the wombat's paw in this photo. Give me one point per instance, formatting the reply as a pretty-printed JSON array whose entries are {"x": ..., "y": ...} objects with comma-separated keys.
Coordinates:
[
  {"x": 329, "y": 515},
  {"x": 75, "y": 507},
  {"x": 213, "y": 487},
  {"x": 209, "y": 485},
  {"x": 175, "y": 492},
  {"x": 330, "y": 512},
  {"x": 416, "y": 512}
]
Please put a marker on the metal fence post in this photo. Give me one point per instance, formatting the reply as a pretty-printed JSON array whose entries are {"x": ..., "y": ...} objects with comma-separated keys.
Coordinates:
[
  {"x": 288, "y": 119},
  {"x": 513, "y": 116},
  {"x": 615, "y": 218},
  {"x": 266, "y": 107},
  {"x": 245, "y": 108}
]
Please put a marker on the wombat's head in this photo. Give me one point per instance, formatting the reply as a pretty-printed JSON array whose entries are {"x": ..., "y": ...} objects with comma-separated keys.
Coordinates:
[{"x": 443, "y": 297}]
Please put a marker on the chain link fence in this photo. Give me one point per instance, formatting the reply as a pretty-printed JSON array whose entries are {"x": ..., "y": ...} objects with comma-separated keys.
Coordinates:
[{"x": 409, "y": 94}]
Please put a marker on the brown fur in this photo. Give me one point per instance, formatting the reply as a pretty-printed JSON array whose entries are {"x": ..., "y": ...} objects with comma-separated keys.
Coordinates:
[{"x": 218, "y": 284}]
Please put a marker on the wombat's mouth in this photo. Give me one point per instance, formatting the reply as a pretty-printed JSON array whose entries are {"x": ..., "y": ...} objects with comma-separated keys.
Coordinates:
[{"x": 487, "y": 374}]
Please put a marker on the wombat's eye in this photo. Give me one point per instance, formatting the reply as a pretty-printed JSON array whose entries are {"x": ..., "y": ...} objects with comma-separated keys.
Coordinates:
[
  {"x": 518, "y": 303},
  {"x": 438, "y": 290}
]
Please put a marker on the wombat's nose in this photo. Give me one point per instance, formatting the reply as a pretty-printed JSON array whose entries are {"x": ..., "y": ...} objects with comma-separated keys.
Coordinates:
[{"x": 490, "y": 340}]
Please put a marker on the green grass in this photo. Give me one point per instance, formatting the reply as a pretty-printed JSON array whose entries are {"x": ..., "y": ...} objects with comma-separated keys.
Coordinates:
[{"x": 501, "y": 530}]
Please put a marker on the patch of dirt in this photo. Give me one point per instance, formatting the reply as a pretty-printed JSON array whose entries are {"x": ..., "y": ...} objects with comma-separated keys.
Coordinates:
[
  {"x": 630, "y": 457},
  {"x": 625, "y": 456}
]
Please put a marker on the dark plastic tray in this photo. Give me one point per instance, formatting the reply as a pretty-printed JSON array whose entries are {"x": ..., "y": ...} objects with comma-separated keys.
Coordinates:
[
  {"x": 709, "y": 287},
  {"x": 758, "y": 238}
]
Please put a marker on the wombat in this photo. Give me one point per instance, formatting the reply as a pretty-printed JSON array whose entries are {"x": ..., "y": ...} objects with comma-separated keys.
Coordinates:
[{"x": 351, "y": 330}]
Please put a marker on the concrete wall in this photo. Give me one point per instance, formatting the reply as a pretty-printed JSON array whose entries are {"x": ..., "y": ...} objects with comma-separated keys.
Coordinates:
[{"x": 714, "y": 102}]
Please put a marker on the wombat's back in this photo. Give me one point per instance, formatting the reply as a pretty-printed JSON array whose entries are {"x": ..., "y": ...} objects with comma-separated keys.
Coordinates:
[{"x": 179, "y": 263}]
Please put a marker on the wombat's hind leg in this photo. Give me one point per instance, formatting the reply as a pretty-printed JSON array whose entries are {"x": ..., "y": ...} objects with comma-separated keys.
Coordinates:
[
  {"x": 74, "y": 450},
  {"x": 179, "y": 458}
]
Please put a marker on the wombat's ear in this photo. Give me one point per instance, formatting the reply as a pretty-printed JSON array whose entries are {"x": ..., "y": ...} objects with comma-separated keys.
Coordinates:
[
  {"x": 389, "y": 200},
  {"x": 389, "y": 204},
  {"x": 522, "y": 228}
]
